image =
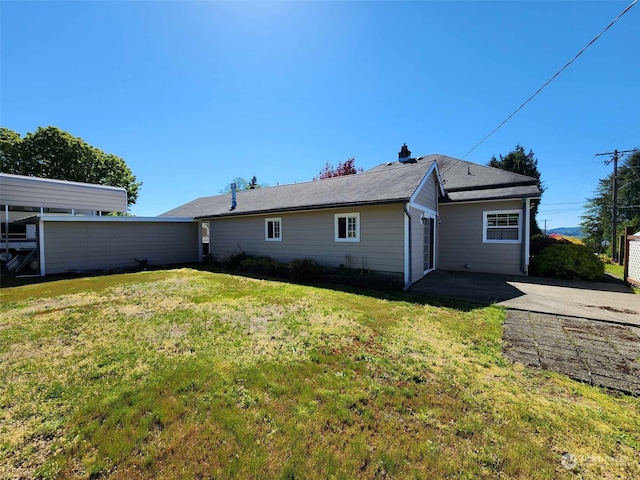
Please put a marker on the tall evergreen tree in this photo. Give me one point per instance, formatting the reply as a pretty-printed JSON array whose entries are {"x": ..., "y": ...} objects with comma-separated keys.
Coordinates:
[
  {"x": 518, "y": 161},
  {"x": 597, "y": 220}
]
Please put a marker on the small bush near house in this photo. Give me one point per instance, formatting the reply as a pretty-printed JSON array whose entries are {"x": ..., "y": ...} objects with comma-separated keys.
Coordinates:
[
  {"x": 260, "y": 265},
  {"x": 304, "y": 270},
  {"x": 236, "y": 260},
  {"x": 540, "y": 242},
  {"x": 575, "y": 262}
]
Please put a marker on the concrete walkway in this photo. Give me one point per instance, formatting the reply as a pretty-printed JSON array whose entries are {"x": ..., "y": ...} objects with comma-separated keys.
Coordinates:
[{"x": 588, "y": 331}]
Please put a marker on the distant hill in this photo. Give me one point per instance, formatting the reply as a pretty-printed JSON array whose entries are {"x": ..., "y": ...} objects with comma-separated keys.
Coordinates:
[{"x": 567, "y": 231}]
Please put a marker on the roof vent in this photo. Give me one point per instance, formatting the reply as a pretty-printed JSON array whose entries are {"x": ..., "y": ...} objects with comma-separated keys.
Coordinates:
[{"x": 404, "y": 155}]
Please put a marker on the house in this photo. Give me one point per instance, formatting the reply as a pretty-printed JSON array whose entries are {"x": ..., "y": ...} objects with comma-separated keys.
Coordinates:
[
  {"x": 405, "y": 218},
  {"x": 55, "y": 226}
]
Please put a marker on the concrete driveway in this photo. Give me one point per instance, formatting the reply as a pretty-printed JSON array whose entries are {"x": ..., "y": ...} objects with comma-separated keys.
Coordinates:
[
  {"x": 607, "y": 301},
  {"x": 588, "y": 331}
]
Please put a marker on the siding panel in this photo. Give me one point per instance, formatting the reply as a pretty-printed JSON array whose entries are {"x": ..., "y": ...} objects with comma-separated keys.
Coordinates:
[
  {"x": 311, "y": 235},
  {"x": 82, "y": 246},
  {"x": 41, "y": 192},
  {"x": 428, "y": 194},
  {"x": 460, "y": 240}
]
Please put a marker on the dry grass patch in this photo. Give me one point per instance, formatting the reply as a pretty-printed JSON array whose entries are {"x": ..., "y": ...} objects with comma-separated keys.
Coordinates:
[{"x": 190, "y": 374}]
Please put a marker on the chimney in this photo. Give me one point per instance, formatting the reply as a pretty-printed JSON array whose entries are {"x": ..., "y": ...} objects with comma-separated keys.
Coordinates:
[
  {"x": 404, "y": 155},
  {"x": 233, "y": 197}
]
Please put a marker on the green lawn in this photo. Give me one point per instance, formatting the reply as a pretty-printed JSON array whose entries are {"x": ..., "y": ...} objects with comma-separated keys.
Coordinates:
[
  {"x": 190, "y": 374},
  {"x": 614, "y": 269}
]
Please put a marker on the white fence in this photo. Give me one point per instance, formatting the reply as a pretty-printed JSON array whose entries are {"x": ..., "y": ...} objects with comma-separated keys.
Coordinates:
[{"x": 632, "y": 260}]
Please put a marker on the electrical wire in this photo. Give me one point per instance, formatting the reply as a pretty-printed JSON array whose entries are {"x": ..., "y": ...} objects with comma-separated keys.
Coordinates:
[{"x": 553, "y": 77}]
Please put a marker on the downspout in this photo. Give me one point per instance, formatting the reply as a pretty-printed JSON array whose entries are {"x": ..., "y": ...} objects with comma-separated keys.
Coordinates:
[
  {"x": 524, "y": 264},
  {"x": 407, "y": 249}
]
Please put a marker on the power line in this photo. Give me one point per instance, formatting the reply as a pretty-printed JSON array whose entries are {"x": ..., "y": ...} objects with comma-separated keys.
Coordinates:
[{"x": 553, "y": 77}]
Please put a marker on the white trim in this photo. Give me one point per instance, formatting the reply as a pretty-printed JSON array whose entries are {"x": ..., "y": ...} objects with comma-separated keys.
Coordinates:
[
  {"x": 493, "y": 200},
  {"x": 527, "y": 235},
  {"x": 88, "y": 218},
  {"x": 407, "y": 245},
  {"x": 43, "y": 269},
  {"x": 266, "y": 229},
  {"x": 485, "y": 213},
  {"x": 424, "y": 209},
  {"x": 337, "y": 216},
  {"x": 27, "y": 178},
  {"x": 433, "y": 217},
  {"x": 432, "y": 168}
]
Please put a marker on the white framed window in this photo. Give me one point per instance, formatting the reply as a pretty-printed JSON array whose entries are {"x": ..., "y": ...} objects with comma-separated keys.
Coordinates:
[
  {"x": 347, "y": 227},
  {"x": 502, "y": 226},
  {"x": 273, "y": 229}
]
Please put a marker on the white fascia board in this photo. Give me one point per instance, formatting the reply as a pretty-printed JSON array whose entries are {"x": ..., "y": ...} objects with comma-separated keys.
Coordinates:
[
  {"x": 431, "y": 212},
  {"x": 444, "y": 204},
  {"x": 80, "y": 218},
  {"x": 25, "y": 178},
  {"x": 440, "y": 182},
  {"x": 41, "y": 258},
  {"x": 432, "y": 168},
  {"x": 407, "y": 254}
]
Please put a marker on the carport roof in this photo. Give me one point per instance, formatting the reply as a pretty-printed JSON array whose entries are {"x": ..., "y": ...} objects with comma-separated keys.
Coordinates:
[{"x": 106, "y": 218}]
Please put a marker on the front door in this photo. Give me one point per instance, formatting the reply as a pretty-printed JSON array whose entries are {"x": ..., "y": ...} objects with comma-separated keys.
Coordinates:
[{"x": 429, "y": 244}]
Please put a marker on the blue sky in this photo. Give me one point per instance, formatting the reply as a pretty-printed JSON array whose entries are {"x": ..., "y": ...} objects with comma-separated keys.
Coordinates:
[{"x": 193, "y": 94}]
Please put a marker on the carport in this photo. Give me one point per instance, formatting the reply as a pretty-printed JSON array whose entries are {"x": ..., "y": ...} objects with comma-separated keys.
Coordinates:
[{"x": 67, "y": 243}]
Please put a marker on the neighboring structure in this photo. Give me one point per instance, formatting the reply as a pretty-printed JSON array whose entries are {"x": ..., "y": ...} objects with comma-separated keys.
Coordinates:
[
  {"x": 631, "y": 257},
  {"x": 402, "y": 218},
  {"x": 54, "y": 226}
]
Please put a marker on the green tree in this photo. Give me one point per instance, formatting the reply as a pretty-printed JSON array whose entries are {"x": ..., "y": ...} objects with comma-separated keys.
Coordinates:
[
  {"x": 243, "y": 184},
  {"x": 53, "y": 153},
  {"x": 597, "y": 220},
  {"x": 518, "y": 161}
]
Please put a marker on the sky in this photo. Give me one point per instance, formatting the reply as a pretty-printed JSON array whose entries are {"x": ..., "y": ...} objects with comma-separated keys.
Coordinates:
[{"x": 194, "y": 94}]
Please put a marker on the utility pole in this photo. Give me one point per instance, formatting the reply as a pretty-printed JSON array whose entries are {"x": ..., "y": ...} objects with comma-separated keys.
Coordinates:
[
  {"x": 545, "y": 226},
  {"x": 615, "y": 155}
]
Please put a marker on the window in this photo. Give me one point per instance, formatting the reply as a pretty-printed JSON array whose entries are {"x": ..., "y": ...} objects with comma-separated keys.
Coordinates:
[
  {"x": 273, "y": 229},
  {"x": 347, "y": 227},
  {"x": 502, "y": 226}
]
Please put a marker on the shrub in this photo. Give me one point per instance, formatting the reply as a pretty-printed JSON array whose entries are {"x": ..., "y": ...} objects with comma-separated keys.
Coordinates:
[
  {"x": 575, "y": 262},
  {"x": 540, "y": 242},
  {"x": 236, "y": 260},
  {"x": 304, "y": 270},
  {"x": 262, "y": 265}
]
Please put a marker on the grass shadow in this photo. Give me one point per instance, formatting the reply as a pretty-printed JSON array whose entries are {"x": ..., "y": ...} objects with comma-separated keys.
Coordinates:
[
  {"x": 96, "y": 280},
  {"x": 379, "y": 294}
]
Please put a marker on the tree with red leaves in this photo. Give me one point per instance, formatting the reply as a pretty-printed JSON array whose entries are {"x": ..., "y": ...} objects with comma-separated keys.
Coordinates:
[{"x": 348, "y": 167}]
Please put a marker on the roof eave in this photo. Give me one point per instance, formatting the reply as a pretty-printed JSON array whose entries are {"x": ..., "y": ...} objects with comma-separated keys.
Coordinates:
[
  {"x": 446, "y": 200},
  {"x": 301, "y": 208}
]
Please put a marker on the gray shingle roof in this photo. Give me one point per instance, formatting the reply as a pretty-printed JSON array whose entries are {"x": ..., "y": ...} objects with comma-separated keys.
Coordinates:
[
  {"x": 387, "y": 183},
  {"x": 466, "y": 181}
]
